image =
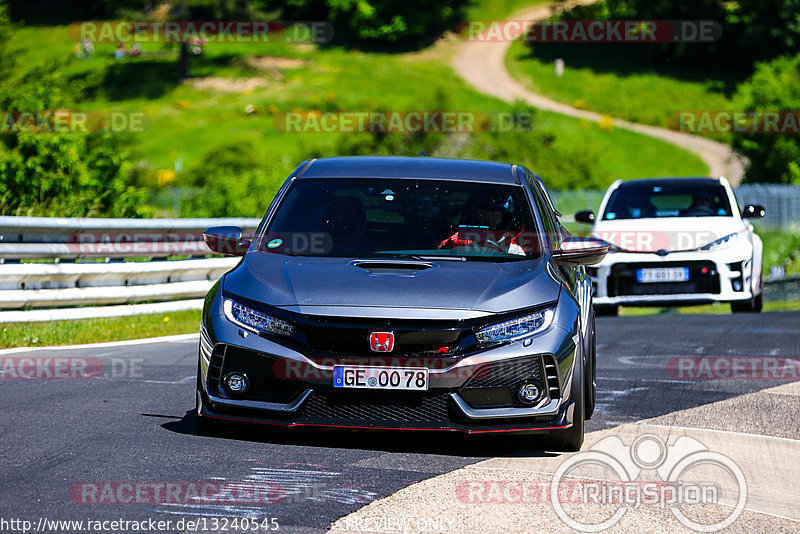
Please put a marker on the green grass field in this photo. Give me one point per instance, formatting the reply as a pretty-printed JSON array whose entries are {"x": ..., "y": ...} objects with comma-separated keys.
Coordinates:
[
  {"x": 184, "y": 121},
  {"x": 617, "y": 85},
  {"x": 499, "y": 9},
  {"x": 708, "y": 309},
  {"x": 98, "y": 330}
]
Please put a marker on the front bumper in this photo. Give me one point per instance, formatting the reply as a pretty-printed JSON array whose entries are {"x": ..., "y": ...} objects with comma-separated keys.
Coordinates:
[
  {"x": 472, "y": 394},
  {"x": 725, "y": 276}
]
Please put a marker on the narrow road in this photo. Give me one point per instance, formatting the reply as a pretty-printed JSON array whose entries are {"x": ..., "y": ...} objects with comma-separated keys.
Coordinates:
[
  {"x": 482, "y": 64},
  {"x": 77, "y": 449}
]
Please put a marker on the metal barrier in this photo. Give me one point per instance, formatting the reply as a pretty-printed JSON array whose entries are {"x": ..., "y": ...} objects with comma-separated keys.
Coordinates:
[
  {"x": 782, "y": 289},
  {"x": 782, "y": 202},
  {"x": 59, "y": 262}
]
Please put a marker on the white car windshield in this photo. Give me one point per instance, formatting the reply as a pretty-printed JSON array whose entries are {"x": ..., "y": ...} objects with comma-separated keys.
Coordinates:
[{"x": 656, "y": 200}]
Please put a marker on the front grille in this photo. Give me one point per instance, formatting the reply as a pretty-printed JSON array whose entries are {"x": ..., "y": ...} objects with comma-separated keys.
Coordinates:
[
  {"x": 320, "y": 336},
  {"x": 703, "y": 278},
  {"x": 506, "y": 373},
  {"x": 403, "y": 407}
]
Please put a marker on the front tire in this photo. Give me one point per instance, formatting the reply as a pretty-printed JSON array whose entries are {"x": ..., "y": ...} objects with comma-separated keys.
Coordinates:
[
  {"x": 754, "y": 305},
  {"x": 571, "y": 439},
  {"x": 591, "y": 371}
]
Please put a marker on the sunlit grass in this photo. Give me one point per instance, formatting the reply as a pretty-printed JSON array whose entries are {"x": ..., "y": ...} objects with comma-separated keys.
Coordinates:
[{"x": 40, "y": 334}]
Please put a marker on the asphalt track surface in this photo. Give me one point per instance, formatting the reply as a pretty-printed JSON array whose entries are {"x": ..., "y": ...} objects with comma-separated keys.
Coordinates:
[{"x": 56, "y": 434}]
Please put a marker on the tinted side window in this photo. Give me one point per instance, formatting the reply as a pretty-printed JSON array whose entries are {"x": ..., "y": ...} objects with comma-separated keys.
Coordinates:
[{"x": 543, "y": 208}]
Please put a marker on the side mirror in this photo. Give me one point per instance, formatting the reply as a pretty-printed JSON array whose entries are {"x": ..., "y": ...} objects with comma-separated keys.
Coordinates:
[
  {"x": 586, "y": 216},
  {"x": 581, "y": 251},
  {"x": 753, "y": 211},
  {"x": 226, "y": 240}
]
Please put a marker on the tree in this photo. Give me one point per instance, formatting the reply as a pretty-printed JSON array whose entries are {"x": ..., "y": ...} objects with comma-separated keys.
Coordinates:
[
  {"x": 775, "y": 86},
  {"x": 379, "y": 21}
]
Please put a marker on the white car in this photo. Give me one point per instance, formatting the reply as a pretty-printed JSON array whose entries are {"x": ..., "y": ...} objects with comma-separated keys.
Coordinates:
[{"x": 676, "y": 241}]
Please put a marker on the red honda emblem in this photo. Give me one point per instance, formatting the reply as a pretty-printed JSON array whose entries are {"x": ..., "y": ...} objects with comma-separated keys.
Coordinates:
[{"x": 381, "y": 341}]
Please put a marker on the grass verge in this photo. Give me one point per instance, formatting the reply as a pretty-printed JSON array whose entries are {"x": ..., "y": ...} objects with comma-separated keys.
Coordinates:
[
  {"x": 81, "y": 331},
  {"x": 707, "y": 309},
  {"x": 621, "y": 88}
]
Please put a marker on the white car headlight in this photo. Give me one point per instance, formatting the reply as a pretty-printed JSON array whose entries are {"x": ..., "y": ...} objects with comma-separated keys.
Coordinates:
[
  {"x": 722, "y": 243},
  {"x": 517, "y": 328},
  {"x": 254, "y": 320}
]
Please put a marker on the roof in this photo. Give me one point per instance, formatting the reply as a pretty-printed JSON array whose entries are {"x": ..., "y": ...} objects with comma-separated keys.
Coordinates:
[
  {"x": 409, "y": 167},
  {"x": 671, "y": 181}
]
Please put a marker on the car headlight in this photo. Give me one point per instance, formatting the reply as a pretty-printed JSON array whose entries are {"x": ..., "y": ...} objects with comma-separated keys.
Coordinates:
[
  {"x": 721, "y": 243},
  {"x": 517, "y": 328},
  {"x": 254, "y": 320}
]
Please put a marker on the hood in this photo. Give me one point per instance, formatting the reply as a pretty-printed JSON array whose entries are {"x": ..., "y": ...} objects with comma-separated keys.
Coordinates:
[
  {"x": 298, "y": 282},
  {"x": 672, "y": 234}
]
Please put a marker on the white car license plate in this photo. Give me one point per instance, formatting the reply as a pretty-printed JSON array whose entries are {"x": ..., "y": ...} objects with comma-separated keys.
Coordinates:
[
  {"x": 413, "y": 378},
  {"x": 662, "y": 274}
]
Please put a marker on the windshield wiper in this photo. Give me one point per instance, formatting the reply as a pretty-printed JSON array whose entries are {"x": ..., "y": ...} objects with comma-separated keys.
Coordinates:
[{"x": 422, "y": 257}]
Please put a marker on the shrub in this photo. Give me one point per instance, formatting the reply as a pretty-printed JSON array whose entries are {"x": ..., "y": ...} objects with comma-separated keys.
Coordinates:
[
  {"x": 231, "y": 181},
  {"x": 68, "y": 174}
]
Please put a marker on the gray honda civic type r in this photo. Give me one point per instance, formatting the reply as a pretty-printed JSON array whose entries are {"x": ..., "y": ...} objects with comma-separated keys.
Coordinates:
[{"x": 405, "y": 294}]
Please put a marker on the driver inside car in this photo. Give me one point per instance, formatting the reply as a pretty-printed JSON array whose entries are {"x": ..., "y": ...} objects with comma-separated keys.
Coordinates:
[
  {"x": 489, "y": 225},
  {"x": 701, "y": 204}
]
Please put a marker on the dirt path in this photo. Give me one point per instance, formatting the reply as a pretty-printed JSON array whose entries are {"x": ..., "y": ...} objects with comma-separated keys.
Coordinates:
[{"x": 482, "y": 64}]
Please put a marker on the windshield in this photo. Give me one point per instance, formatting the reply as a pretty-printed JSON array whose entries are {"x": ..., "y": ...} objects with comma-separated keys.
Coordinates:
[
  {"x": 640, "y": 201},
  {"x": 416, "y": 219}
]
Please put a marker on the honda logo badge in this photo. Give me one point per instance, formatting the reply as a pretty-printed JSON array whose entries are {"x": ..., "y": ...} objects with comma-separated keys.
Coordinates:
[{"x": 381, "y": 341}]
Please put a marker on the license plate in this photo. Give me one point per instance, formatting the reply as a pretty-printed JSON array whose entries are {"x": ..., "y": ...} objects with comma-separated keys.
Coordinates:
[
  {"x": 662, "y": 274},
  {"x": 412, "y": 378}
]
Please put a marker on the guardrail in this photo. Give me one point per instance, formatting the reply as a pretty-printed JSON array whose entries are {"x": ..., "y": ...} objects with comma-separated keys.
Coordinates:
[
  {"x": 779, "y": 289},
  {"x": 67, "y": 262},
  {"x": 64, "y": 264}
]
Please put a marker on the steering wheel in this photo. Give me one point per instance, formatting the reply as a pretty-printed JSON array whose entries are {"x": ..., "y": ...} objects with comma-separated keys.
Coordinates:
[
  {"x": 494, "y": 244},
  {"x": 701, "y": 210}
]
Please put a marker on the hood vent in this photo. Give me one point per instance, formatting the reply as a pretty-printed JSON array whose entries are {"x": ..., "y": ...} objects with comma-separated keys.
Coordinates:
[{"x": 401, "y": 268}]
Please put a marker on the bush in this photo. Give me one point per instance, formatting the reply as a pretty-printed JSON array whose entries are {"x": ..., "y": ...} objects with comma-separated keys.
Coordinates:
[
  {"x": 66, "y": 175},
  {"x": 231, "y": 181}
]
